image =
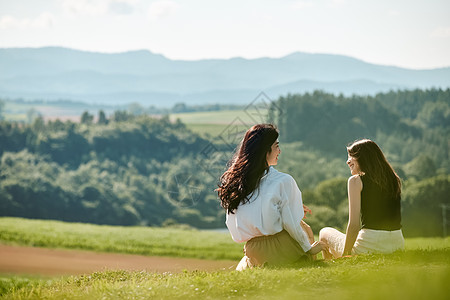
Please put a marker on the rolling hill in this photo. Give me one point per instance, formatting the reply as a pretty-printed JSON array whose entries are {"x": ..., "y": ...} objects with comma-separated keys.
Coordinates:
[{"x": 151, "y": 79}]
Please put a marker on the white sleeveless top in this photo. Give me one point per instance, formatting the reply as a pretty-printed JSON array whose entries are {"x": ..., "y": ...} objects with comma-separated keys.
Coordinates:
[{"x": 275, "y": 205}]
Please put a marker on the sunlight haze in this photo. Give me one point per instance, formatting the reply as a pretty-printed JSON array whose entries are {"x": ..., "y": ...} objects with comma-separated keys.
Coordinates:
[{"x": 411, "y": 34}]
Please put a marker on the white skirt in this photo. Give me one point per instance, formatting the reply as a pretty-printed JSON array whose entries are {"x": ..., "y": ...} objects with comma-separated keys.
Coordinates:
[{"x": 368, "y": 241}]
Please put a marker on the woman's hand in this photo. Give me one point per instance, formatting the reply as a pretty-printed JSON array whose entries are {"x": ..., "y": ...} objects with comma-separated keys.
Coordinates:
[
  {"x": 306, "y": 210},
  {"x": 317, "y": 247}
]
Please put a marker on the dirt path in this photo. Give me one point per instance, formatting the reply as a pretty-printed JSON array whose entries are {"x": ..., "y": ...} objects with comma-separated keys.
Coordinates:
[{"x": 42, "y": 261}]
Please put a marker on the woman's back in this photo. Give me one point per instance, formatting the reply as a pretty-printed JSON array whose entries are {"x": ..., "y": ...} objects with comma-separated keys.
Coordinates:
[
  {"x": 380, "y": 209},
  {"x": 277, "y": 195},
  {"x": 264, "y": 206},
  {"x": 374, "y": 194}
]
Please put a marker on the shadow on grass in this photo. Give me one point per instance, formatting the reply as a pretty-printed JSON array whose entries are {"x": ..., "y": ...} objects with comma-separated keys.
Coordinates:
[
  {"x": 414, "y": 257},
  {"x": 305, "y": 264}
]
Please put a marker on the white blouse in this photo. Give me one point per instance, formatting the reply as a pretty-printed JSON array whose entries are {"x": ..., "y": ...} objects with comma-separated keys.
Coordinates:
[{"x": 275, "y": 205}]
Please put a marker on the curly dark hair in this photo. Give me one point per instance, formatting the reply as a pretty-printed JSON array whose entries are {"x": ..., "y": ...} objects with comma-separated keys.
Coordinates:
[{"x": 247, "y": 166}]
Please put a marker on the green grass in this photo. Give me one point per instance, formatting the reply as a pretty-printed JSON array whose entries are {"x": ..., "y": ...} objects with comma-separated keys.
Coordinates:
[
  {"x": 405, "y": 275},
  {"x": 132, "y": 240},
  {"x": 214, "y": 131},
  {"x": 220, "y": 117},
  {"x": 212, "y": 124},
  {"x": 141, "y": 240},
  {"x": 420, "y": 272}
]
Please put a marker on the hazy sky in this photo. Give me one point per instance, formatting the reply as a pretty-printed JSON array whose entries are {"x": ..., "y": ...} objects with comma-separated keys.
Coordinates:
[{"x": 406, "y": 33}]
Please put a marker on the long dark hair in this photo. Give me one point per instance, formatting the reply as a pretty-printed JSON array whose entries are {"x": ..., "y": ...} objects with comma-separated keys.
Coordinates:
[
  {"x": 247, "y": 166},
  {"x": 375, "y": 166}
]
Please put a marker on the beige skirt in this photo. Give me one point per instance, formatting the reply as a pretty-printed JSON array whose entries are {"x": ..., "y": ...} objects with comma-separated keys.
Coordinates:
[{"x": 273, "y": 250}]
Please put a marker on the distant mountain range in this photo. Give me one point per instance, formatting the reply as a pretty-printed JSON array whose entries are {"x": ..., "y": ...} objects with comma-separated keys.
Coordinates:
[{"x": 54, "y": 73}]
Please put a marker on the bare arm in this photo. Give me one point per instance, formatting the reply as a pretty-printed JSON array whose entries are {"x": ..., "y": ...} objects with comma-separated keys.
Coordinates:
[{"x": 354, "y": 188}]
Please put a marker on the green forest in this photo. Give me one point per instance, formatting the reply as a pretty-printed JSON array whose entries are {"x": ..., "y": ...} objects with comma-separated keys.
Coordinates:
[{"x": 146, "y": 170}]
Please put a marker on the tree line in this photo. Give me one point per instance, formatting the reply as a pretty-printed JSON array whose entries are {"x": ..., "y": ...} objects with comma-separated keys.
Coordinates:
[
  {"x": 120, "y": 172},
  {"x": 411, "y": 127}
]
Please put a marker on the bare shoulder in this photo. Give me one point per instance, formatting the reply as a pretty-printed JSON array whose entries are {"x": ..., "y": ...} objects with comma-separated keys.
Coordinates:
[{"x": 355, "y": 182}]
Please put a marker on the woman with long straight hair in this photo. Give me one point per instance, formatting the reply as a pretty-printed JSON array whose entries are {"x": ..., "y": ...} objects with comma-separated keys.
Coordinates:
[
  {"x": 374, "y": 194},
  {"x": 264, "y": 207}
]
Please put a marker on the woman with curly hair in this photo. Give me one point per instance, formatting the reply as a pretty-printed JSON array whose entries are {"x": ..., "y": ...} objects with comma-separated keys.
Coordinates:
[{"x": 264, "y": 206}]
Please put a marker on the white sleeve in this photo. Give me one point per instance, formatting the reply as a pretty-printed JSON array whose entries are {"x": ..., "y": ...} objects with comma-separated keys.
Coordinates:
[
  {"x": 292, "y": 212},
  {"x": 231, "y": 221}
]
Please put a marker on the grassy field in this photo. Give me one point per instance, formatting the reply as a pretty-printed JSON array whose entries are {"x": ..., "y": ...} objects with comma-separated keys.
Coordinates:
[
  {"x": 420, "y": 272},
  {"x": 214, "y": 123},
  {"x": 220, "y": 117},
  {"x": 214, "y": 131},
  {"x": 209, "y": 124},
  {"x": 131, "y": 240}
]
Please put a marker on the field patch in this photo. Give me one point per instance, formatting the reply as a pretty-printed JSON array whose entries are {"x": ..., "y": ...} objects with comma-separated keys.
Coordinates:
[
  {"x": 189, "y": 243},
  {"x": 422, "y": 271},
  {"x": 404, "y": 275}
]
